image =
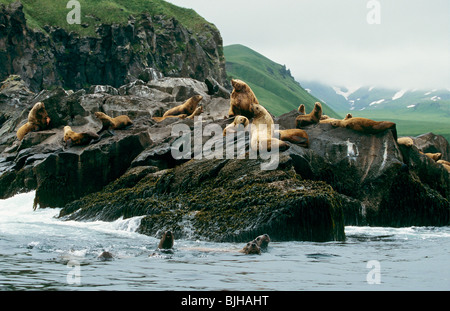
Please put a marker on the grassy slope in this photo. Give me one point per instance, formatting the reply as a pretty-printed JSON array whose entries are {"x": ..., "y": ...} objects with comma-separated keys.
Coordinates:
[
  {"x": 273, "y": 86},
  {"x": 93, "y": 12}
]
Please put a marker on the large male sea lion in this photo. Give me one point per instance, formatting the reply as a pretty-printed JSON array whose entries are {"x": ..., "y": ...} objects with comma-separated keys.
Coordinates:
[
  {"x": 242, "y": 99},
  {"x": 38, "y": 120},
  {"x": 188, "y": 107},
  {"x": 117, "y": 123},
  {"x": 366, "y": 126},
  {"x": 311, "y": 118}
]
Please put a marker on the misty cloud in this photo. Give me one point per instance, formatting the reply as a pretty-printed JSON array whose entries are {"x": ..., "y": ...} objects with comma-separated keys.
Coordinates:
[{"x": 331, "y": 41}]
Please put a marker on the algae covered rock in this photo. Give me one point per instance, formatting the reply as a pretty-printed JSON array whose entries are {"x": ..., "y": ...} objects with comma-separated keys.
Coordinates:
[{"x": 222, "y": 200}]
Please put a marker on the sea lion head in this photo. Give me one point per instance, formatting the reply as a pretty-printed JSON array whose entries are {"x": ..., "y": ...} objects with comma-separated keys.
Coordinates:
[
  {"x": 301, "y": 109},
  {"x": 67, "y": 132},
  {"x": 197, "y": 98},
  {"x": 251, "y": 248},
  {"x": 166, "y": 241},
  {"x": 241, "y": 120},
  {"x": 262, "y": 240},
  {"x": 238, "y": 85},
  {"x": 348, "y": 116},
  {"x": 335, "y": 123},
  {"x": 318, "y": 107},
  {"x": 257, "y": 110},
  {"x": 99, "y": 114}
]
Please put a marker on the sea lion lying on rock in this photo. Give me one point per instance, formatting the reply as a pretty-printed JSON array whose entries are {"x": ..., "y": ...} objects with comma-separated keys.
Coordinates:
[
  {"x": 433, "y": 156},
  {"x": 38, "y": 120},
  {"x": 405, "y": 141},
  {"x": 366, "y": 126},
  {"x": 327, "y": 119},
  {"x": 78, "y": 139},
  {"x": 445, "y": 164},
  {"x": 117, "y": 123},
  {"x": 188, "y": 107}
]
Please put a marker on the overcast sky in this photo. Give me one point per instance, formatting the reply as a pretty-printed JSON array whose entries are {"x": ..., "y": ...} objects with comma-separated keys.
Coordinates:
[{"x": 333, "y": 42}]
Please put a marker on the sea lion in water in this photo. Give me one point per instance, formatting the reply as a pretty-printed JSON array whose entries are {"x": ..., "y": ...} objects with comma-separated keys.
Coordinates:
[
  {"x": 366, "y": 126},
  {"x": 38, "y": 120},
  {"x": 251, "y": 248},
  {"x": 241, "y": 100},
  {"x": 78, "y": 139},
  {"x": 188, "y": 107},
  {"x": 166, "y": 241},
  {"x": 311, "y": 118},
  {"x": 262, "y": 241},
  {"x": 117, "y": 123},
  {"x": 105, "y": 256}
]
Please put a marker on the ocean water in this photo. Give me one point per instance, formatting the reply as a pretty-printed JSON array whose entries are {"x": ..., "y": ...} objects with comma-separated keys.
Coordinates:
[{"x": 41, "y": 252}]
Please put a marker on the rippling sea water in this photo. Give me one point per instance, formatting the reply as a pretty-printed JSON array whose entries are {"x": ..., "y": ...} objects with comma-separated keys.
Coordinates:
[{"x": 41, "y": 252}]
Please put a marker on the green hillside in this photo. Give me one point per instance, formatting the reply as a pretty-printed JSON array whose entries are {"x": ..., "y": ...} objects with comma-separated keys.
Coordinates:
[
  {"x": 272, "y": 83},
  {"x": 94, "y": 12}
]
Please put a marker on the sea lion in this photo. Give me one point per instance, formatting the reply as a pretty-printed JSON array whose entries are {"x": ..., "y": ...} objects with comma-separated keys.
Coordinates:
[
  {"x": 433, "y": 156},
  {"x": 251, "y": 248},
  {"x": 117, "y": 123},
  {"x": 445, "y": 164},
  {"x": 105, "y": 256},
  {"x": 262, "y": 241},
  {"x": 38, "y": 120},
  {"x": 262, "y": 130},
  {"x": 242, "y": 99},
  {"x": 327, "y": 119},
  {"x": 166, "y": 241},
  {"x": 301, "y": 109},
  {"x": 78, "y": 139},
  {"x": 405, "y": 141},
  {"x": 311, "y": 118},
  {"x": 188, "y": 107},
  {"x": 240, "y": 122},
  {"x": 366, "y": 126},
  {"x": 295, "y": 136}
]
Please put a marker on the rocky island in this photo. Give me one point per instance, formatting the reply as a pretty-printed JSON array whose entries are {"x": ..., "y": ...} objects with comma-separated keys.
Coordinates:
[{"x": 343, "y": 178}]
